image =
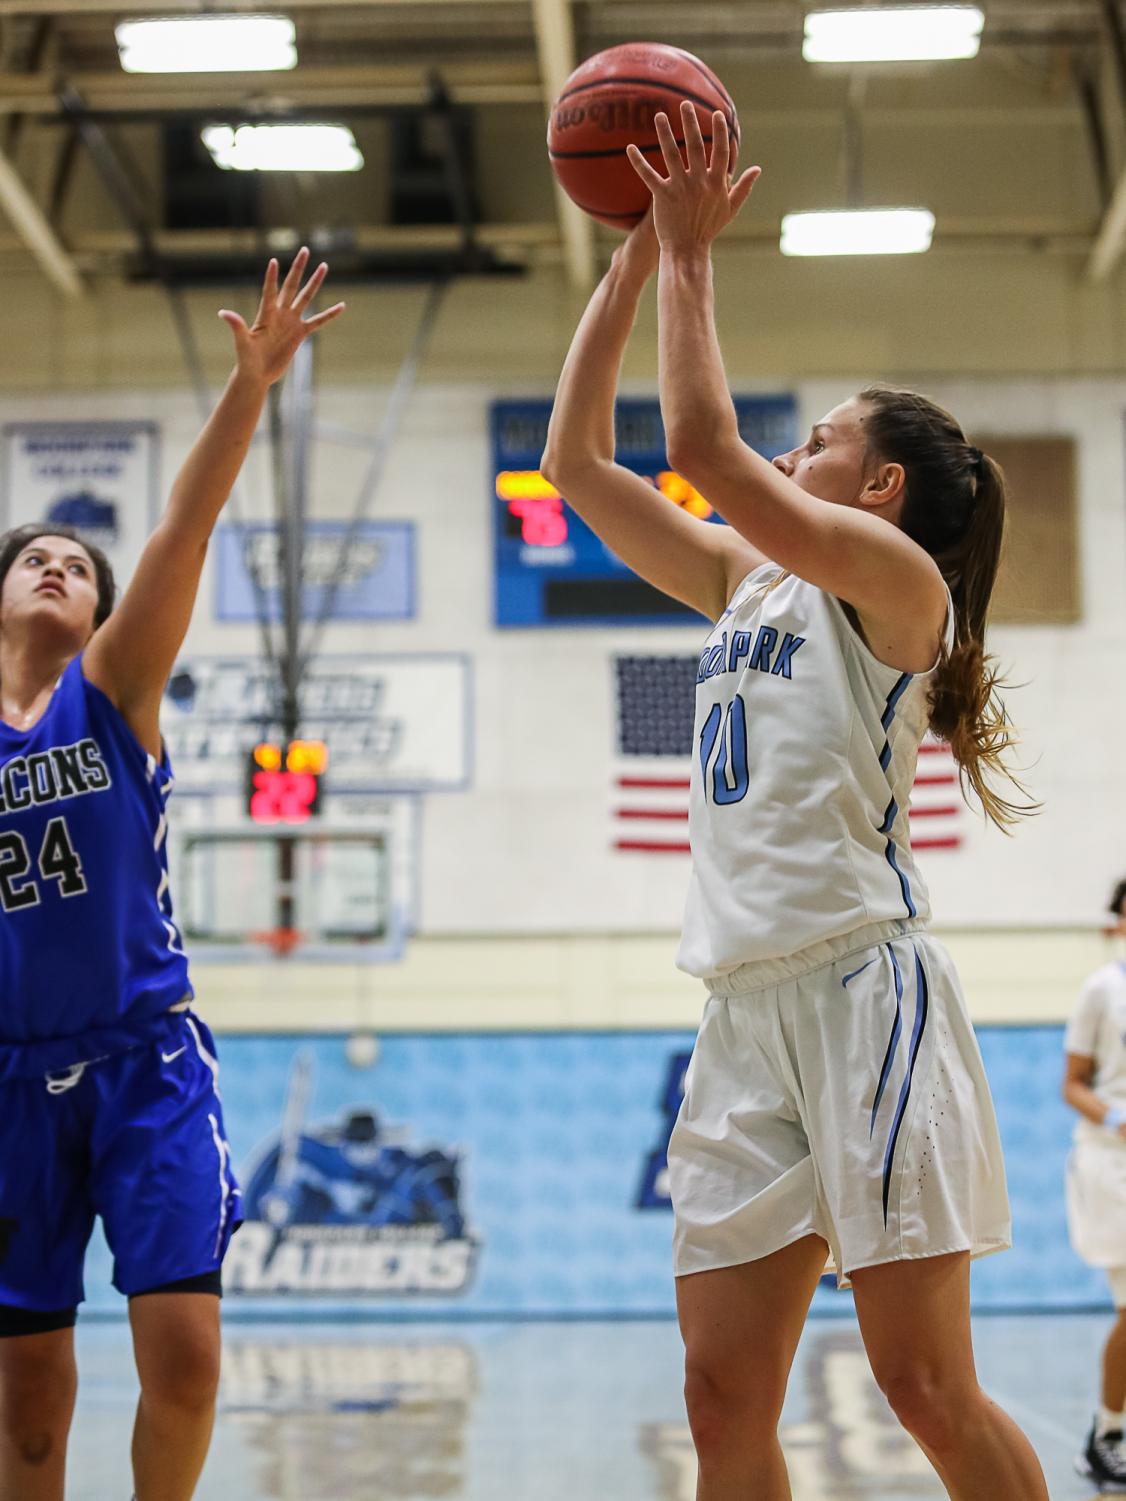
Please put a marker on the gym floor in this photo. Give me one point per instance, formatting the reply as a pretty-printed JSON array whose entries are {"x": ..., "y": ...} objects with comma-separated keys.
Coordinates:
[{"x": 552, "y": 1412}]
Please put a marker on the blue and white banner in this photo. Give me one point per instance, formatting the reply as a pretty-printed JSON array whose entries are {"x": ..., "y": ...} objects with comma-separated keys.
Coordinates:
[
  {"x": 523, "y": 1175},
  {"x": 101, "y": 477},
  {"x": 401, "y": 723},
  {"x": 374, "y": 577}
]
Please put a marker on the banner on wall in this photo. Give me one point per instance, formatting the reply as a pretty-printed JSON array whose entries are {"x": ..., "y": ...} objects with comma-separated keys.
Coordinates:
[
  {"x": 101, "y": 477},
  {"x": 372, "y": 579},
  {"x": 457, "y": 1175},
  {"x": 348, "y": 1206},
  {"x": 524, "y": 1173},
  {"x": 653, "y": 1192},
  {"x": 654, "y": 703},
  {"x": 391, "y": 724}
]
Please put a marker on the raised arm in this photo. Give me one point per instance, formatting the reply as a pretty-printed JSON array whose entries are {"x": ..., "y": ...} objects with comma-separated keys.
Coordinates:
[
  {"x": 695, "y": 561},
  {"x": 132, "y": 654},
  {"x": 857, "y": 556}
]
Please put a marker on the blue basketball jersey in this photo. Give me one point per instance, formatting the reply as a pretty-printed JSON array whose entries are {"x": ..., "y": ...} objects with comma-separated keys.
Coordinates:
[{"x": 90, "y": 957}]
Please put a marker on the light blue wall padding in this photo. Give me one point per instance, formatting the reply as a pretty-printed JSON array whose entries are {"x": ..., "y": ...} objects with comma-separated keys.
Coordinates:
[
  {"x": 1025, "y": 1070},
  {"x": 554, "y": 1133}
]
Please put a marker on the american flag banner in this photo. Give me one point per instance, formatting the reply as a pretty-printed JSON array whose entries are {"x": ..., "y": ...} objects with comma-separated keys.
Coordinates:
[
  {"x": 938, "y": 810},
  {"x": 655, "y": 701}
]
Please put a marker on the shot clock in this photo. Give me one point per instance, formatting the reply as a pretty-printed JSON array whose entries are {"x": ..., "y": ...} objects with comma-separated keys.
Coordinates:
[
  {"x": 283, "y": 783},
  {"x": 550, "y": 568}
]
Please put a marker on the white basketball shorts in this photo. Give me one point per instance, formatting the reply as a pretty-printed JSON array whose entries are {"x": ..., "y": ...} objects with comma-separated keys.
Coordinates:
[
  {"x": 1096, "y": 1199},
  {"x": 838, "y": 1092}
]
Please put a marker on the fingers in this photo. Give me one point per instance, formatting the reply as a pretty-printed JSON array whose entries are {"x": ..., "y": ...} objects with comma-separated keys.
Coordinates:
[
  {"x": 269, "y": 290},
  {"x": 319, "y": 319},
  {"x": 721, "y": 145},
  {"x": 723, "y": 148},
  {"x": 669, "y": 149},
  {"x": 311, "y": 288},
  {"x": 293, "y": 277},
  {"x": 649, "y": 175},
  {"x": 693, "y": 138},
  {"x": 742, "y": 189},
  {"x": 236, "y": 323}
]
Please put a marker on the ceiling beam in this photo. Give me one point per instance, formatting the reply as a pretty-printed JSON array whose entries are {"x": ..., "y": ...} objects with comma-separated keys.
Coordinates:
[
  {"x": 555, "y": 46},
  {"x": 32, "y": 226},
  {"x": 1111, "y": 239},
  {"x": 376, "y": 86}
]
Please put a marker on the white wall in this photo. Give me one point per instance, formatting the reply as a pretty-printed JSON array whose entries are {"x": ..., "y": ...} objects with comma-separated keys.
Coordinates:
[{"x": 584, "y": 982}]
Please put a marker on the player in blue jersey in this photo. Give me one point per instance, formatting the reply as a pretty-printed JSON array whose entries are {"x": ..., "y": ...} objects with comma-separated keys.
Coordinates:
[
  {"x": 108, "y": 1083},
  {"x": 835, "y": 1107}
]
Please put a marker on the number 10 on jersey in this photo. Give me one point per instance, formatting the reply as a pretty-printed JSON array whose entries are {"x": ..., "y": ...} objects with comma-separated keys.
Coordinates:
[{"x": 730, "y": 773}]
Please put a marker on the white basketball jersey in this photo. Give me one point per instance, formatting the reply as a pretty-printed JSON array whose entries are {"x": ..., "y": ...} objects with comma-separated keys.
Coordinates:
[
  {"x": 803, "y": 762},
  {"x": 1097, "y": 1030}
]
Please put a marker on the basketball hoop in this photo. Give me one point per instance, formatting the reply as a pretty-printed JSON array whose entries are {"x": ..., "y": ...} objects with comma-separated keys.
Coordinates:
[
  {"x": 280, "y": 941},
  {"x": 331, "y": 898}
]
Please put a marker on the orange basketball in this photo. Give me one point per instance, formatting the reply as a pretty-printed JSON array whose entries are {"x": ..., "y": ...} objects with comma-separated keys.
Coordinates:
[{"x": 610, "y": 101}]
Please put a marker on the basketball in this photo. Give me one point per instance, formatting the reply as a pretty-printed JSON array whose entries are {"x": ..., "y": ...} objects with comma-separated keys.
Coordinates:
[{"x": 612, "y": 100}]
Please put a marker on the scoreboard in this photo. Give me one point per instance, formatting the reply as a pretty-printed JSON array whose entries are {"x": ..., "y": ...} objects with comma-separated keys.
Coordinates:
[
  {"x": 283, "y": 783},
  {"x": 550, "y": 568}
]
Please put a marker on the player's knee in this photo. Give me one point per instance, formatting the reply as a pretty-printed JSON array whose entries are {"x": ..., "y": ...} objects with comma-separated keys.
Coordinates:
[
  {"x": 726, "y": 1410},
  {"x": 933, "y": 1410},
  {"x": 185, "y": 1375},
  {"x": 34, "y": 1440},
  {"x": 36, "y": 1403}
]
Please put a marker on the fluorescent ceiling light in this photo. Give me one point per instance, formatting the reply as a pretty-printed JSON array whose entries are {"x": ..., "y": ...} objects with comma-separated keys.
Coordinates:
[
  {"x": 915, "y": 33},
  {"x": 283, "y": 148},
  {"x": 207, "y": 44},
  {"x": 868, "y": 231}
]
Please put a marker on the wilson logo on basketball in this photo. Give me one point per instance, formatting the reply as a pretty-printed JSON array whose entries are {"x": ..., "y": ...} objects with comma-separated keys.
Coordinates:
[
  {"x": 607, "y": 115},
  {"x": 649, "y": 57}
]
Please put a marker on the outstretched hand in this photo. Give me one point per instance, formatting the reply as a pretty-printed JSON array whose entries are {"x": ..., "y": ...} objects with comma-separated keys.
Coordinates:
[
  {"x": 265, "y": 349},
  {"x": 694, "y": 202}
]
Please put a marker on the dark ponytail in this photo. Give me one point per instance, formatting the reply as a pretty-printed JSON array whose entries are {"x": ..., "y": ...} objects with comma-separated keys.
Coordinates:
[{"x": 954, "y": 507}]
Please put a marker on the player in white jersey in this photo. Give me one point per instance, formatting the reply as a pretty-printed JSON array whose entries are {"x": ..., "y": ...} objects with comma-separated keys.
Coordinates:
[
  {"x": 836, "y": 1103},
  {"x": 1095, "y": 1086}
]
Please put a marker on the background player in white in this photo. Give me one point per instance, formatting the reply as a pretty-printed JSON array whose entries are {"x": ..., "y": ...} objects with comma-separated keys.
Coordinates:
[
  {"x": 108, "y": 1097},
  {"x": 1095, "y": 1086},
  {"x": 836, "y": 1099}
]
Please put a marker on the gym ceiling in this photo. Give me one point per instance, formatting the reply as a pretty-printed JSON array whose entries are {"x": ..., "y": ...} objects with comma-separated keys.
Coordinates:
[{"x": 102, "y": 173}]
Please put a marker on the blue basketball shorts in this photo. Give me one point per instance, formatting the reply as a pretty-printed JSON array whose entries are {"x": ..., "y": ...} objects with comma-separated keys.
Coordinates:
[{"x": 136, "y": 1138}]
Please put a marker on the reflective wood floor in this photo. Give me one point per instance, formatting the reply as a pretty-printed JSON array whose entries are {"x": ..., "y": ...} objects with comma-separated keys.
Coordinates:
[{"x": 551, "y": 1412}]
